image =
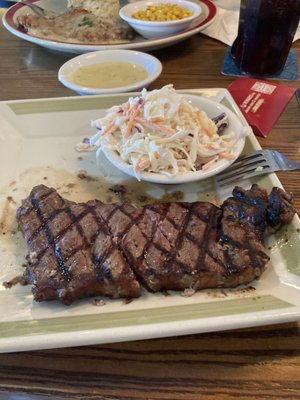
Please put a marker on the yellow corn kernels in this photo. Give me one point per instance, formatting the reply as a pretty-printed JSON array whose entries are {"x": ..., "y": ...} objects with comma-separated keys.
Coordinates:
[{"x": 163, "y": 12}]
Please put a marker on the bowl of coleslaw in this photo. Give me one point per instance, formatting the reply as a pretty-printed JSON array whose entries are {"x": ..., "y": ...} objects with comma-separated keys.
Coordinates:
[{"x": 162, "y": 136}]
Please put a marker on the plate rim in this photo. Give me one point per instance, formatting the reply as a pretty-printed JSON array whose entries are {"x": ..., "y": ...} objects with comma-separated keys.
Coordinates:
[{"x": 145, "y": 44}]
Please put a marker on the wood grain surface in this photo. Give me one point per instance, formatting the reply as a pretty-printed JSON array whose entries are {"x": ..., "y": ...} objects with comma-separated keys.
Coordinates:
[{"x": 258, "y": 363}]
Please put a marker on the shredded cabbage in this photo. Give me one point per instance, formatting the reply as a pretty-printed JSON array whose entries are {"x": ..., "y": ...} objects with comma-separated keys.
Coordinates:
[{"x": 161, "y": 131}]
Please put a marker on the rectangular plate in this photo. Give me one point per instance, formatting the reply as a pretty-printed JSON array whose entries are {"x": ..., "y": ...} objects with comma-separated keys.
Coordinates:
[{"x": 37, "y": 145}]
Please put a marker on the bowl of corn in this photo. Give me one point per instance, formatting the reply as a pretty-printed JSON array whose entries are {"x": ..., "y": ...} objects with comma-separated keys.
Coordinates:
[{"x": 160, "y": 18}]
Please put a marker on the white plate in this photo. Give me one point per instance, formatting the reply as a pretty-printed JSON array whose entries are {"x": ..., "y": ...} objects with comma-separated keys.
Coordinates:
[
  {"x": 207, "y": 16},
  {"x": 136, "y": 58},
  {"x": 37, "y": 143},
  {"x": 212, "y": 109}
]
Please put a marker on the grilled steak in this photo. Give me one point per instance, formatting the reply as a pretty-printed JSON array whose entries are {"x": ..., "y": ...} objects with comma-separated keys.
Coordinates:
[
  {"x": 72, "y": 255},
  {"x": 88, "y": 249}
]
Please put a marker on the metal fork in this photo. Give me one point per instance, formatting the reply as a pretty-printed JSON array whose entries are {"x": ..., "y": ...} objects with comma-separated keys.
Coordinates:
[
  {"x": 40, "y": 11},
  {"x": 254, "y": 164}
]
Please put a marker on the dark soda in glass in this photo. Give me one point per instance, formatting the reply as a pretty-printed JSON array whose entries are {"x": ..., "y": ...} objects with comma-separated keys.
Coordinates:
[{"x": 265, "y": 35}]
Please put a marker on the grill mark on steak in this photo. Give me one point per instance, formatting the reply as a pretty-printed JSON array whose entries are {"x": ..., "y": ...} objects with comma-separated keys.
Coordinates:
[
  {"x": 168, "y": 265},
  {"x": 51, "y": 242},
  {"x": 73, "y": 239},
  {"x": 74, "y": 221},
  {"x": 210, "y": 224},
  {"x": 230, "y": 268},
  {"x": 147, "y": 236},
  {"x": 148, "y": 242},
  {"x": 90, "y": 249},
  {"x": 178, "y": 242},
  {"x": 116, "y": 231},
  {"x": 154, "y": 277},
  {"x": 255, "y": 254},
  {"x": 40, "y": 228},
  {"x": 99, "y": 260},
  {"x": 170, "y": 257},
  {"x": 245, "y": 222}
]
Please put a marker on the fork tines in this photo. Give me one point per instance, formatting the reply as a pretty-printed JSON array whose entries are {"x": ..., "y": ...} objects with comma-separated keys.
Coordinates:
[
  {"x": 245, "y": 167},
  {"x": 257, "y": 163}
]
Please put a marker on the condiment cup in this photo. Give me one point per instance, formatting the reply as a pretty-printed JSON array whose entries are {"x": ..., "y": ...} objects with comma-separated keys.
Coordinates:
[
  {"x": 157, "y": 29},
  {"x": 151, "y": 64}
]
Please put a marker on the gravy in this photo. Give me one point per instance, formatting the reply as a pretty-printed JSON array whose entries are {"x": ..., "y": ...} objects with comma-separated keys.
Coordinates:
[{"x": 109, "y": 74}]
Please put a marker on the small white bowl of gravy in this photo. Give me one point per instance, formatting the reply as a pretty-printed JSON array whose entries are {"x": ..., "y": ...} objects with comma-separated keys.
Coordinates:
[{"x": 109, "y": 71}]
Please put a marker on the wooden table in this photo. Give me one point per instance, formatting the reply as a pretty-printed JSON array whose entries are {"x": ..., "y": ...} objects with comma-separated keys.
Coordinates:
[{"x": 258, "y": 363}]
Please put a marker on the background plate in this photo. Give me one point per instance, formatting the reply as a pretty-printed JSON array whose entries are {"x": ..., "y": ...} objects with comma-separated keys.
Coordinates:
[
  {"x": 37, "y": 142},
  {"x": 10, "y": 22}
]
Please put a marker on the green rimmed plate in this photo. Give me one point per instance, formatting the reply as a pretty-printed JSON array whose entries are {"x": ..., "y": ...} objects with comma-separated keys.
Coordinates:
[{"x": 37, "y": 143}]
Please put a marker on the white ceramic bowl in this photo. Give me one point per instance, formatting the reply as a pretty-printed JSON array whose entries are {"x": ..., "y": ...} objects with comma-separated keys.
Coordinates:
[
  {"x": 212, "y": 109},
  {"x": 157, "y": 29},
  {"x": 151, "y": 64}
]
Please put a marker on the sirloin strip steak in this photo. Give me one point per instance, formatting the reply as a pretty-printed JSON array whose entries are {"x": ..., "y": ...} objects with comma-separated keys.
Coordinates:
[
  {"x": 71, "y": 253},
  {"x": 78, "y": 250}
]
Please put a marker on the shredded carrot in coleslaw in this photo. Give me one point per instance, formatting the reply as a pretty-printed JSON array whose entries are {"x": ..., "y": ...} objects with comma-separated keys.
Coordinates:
[{"x": 160, "y": 131}]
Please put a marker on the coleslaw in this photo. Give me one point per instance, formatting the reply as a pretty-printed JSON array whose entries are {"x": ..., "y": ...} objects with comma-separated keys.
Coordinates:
[{"x": 160, "y": 131}]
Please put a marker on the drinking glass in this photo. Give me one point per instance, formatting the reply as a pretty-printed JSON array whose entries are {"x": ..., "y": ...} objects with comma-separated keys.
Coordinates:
[{"x": 265, "y": 35}]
